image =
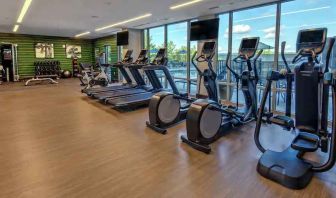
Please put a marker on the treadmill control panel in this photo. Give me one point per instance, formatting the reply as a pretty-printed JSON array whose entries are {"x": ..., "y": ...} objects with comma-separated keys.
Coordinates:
[
  {"x": 142, "y": 58},
  {"x": 160, "y": 57},
  {"x": 128, "y": 56}
]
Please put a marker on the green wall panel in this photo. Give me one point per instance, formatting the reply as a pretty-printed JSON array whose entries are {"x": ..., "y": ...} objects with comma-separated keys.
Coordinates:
[
  {"x": 26, "y": 50},
  {"x": 111, "y": 41}
]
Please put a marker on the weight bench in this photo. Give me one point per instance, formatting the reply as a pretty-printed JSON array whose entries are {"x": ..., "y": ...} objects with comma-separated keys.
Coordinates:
[{"x": 42, "y": 78}]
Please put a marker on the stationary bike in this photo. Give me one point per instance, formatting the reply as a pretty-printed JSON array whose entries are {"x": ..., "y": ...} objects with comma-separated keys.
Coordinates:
[
  {"x": 208, "y": 120},
  {"x": 90, "y": 78},
  {"x": 312, "y": 86},
  {"x": 167, "y": 108}
]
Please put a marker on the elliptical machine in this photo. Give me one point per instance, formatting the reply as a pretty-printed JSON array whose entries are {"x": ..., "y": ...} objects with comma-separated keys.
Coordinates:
[
  {"x": 167, "y": 109},
  {"x": 312, "y": 84},
  {"x": 248, "y": 79},
  {"x": 208, "y": 119}
]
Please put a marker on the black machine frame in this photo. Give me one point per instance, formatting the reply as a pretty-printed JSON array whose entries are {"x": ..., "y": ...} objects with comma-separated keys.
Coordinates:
[{"x": 312, "y": 84}]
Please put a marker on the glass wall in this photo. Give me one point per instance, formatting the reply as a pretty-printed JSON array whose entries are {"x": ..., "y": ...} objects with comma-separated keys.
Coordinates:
[
  {"x": 193, "y": 71},
  {"x": 177, "y": 53},
  {"x": 156, "y": 40},
  {"x": 257, "y": 22},
  {"x": 145, "y": 39},
  {"x": 294, "y": 15},
  {"x": 223, "y": 49}
]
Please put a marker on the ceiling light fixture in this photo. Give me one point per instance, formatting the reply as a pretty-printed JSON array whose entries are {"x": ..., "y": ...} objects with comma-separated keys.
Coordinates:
[
  {"x": 24, "y": 10},
  {"x": 16, "y": 27},
  {"x": 123, "y": 22},
  {"x": 184, "y": 4},
  {"x": 82, "y": 34}
]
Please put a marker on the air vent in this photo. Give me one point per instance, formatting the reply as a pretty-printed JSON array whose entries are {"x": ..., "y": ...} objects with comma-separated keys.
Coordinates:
[
  {"x": 141, "y": 25},
  {"x": 213, "y": 8}
]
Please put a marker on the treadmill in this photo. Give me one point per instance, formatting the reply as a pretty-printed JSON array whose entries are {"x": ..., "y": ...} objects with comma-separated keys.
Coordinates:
[
  {"x": 143, "y": 98},
  {"x": 139, "y": 82},
  {"x": 120, "y": 65},
  {"x": 142, "y": 88}
]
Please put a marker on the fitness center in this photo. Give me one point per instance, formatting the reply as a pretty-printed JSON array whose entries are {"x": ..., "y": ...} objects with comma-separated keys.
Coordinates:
[{"x": 157, "y": 98}]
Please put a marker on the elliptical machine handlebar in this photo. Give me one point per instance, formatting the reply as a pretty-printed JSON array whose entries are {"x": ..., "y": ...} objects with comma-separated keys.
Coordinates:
[
  {"x": 241, "y": 58},
  {"x": 203, "y": 58},
  {"x": 283, "y": 48},
  {"x": 229, "y": 68},
  {"x": 195, "y": 64},
  {"x": 255, "y": 65},
  {"x": 331, "y": 44}
]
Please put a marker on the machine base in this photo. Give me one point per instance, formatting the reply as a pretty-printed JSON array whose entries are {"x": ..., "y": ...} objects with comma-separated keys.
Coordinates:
[
  {"x": 285, "y": 168},
  {"x": 200, "y": 147},
  {"x": 156, "y": 129}
]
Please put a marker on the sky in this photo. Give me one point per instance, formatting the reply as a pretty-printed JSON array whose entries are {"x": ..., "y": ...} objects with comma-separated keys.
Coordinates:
[{"x": 296, "y": 15}]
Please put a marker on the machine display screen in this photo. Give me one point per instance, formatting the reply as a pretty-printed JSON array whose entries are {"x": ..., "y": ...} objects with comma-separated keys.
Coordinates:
[
  {"x": 161, "y": 53},
  {"x": 208, "y": 47},
  {"x": 313, "y": 36},
  {"x": 249, "y": 44},
  {"x": 143, "y": 53},
  {"x": 128, "y": 53},
  {"x": 122, "y": 38}
]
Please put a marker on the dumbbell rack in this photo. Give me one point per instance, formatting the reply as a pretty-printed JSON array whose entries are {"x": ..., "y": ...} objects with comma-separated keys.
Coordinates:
[{"x": 45, "y": 71}]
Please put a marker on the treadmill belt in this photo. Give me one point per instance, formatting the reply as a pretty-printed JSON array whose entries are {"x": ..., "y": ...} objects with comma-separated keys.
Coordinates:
[
  {"x": 118, "y": 93},
  {"x": 131, "y": 100},
  {"x": 104, "y": 89}
]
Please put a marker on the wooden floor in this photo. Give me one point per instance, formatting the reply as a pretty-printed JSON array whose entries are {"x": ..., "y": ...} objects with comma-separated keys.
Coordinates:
[{"x": 55, "y": 142}]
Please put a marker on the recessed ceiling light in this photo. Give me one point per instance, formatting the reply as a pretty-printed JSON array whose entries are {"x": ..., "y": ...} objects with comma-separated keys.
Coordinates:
[
  {"x": 24, "y": 10},
  {"x": 184, "y": 4},
  {"x": 123, "y": 22},
  {"x": 82, "y": 34},
  {"x": 16, "y": 27}
]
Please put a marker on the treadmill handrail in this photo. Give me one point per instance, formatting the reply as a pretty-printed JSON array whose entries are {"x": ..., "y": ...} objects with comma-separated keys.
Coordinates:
[{"x": 166, "y": 73}]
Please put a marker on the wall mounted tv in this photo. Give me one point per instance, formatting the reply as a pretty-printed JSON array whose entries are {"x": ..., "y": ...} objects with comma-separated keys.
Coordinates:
[
  {"x": 122, "y": 38},
  {"x": 204, "y": 30}
]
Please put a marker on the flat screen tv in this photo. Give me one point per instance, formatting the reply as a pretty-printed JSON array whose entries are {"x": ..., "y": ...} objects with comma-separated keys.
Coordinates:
[
  {"x": 204, "y": 30},
  {"x": 122, "y": 38}
]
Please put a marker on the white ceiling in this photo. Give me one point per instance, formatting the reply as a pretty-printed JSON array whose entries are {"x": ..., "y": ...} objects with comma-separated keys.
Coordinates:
[{"x": 70, "y": 17}]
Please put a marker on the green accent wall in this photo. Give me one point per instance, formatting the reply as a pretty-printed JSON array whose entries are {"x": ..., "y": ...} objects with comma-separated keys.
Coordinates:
[
  {"x": 111, "y": 41},
  {"x": 26, "y": 50}
]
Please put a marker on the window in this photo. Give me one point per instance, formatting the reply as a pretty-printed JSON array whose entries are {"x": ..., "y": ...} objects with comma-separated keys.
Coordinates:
[
  {"x": 193, "y": 71},
  {"x": 177, "y": 53},
  {"x": 303, "y": 14},
  {"x": 156, "y": 40},
  {"x": 108, "y": 60},
  {"x": 223, "y": 48},
  {"x": 108, "y": 54},
  {"x": 145, "y": 39},
  {"x": 257, "y": 22}
]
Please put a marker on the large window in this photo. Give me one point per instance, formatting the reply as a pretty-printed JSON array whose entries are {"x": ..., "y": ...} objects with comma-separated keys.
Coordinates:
[
  {"x": 298, "y": 15},
  {"x": 156, "y": 40},
  {"x": 255, "y": 22},
  {"x": 177, "y": 53},
  {"x": 193, "y": 71},
  {"x": 223, "y": 48},
  {"x": 258, "y": 22},
  {"x": 145, "y": 39}
]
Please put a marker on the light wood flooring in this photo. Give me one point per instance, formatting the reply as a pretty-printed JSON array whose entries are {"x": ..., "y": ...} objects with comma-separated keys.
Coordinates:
[{"x": 56, "y": 142}]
